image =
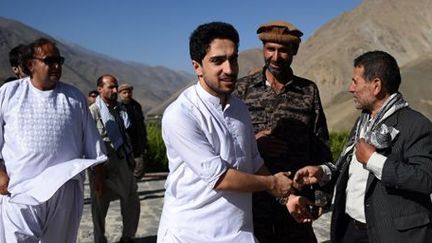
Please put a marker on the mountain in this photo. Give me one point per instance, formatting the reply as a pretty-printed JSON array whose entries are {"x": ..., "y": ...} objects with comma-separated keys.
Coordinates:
[
  {"x": 250, "y": 61},
  {"x": 82, "y": 67},
  {"x": 415, "y": 87},
  {"x": 402, "y": 28},
  {"x": 399, "y": 27}
]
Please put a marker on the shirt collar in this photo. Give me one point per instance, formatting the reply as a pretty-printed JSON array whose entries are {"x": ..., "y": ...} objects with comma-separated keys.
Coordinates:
[
  {"x": 260, "y": 80},
  {"x": 206, "y": 96},
  {"x": 42, "y": 93}
]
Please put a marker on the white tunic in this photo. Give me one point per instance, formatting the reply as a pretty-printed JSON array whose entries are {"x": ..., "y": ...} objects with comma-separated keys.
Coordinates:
[
  {"x": 44, "y": 139},
  {"x": 202, "y": 142}
]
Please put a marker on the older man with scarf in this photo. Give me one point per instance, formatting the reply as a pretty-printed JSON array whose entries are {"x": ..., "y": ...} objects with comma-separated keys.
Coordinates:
[
  {"x": 383, "y": 177},
  {"x": 111, "y": 122}
]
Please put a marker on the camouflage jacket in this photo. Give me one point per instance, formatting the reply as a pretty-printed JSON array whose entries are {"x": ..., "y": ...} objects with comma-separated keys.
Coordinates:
[{"x": 295, "y": 115}]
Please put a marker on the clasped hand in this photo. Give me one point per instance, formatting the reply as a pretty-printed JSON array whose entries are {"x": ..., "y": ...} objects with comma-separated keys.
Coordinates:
[
  {"x": 4, "y": 182},
  {"x": 298, "y": 206},
  {"x": 282, "y": 185},
  {"x": 363, "y": 151}
]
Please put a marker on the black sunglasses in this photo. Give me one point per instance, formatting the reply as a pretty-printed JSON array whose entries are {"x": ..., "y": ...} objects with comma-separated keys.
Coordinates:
[{"x": 51, "y": 60}]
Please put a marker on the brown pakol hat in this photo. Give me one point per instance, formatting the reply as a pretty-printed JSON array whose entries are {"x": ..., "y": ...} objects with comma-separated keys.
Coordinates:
[
  {"x": 125, "y": 86},
  {"x": 279, "y": 32}
]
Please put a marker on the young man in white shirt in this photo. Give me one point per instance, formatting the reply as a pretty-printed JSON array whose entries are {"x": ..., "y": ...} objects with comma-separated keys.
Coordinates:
[{"x": 214, "y": 162}]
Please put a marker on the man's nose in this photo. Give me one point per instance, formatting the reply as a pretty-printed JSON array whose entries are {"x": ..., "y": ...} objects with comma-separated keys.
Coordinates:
[
  {"x": 351, "y": 87},
  {"x": 55, "y": 65},
  {"x": 228, "y": 67},
  {"x": 276, "y": 56}
]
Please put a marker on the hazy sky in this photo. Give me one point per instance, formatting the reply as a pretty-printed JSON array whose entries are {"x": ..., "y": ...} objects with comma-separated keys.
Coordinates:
[{"x": 156, "y": 32}]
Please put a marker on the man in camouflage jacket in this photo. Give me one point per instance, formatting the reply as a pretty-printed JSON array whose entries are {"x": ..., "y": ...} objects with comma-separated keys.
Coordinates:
[{"x": 290, "y": 127}]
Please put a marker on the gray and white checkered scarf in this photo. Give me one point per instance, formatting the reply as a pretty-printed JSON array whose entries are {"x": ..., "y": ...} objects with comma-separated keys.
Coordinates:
[{"x": 374, "y": 131}]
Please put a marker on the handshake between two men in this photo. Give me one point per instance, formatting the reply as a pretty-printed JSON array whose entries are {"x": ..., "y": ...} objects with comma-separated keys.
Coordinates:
[{"x": 299, "y": 194}]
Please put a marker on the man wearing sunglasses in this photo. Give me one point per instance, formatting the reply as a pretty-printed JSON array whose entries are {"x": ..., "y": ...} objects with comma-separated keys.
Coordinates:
[
  {"x": 47, "y": 140},
  {"x": 91, "y": 98}
]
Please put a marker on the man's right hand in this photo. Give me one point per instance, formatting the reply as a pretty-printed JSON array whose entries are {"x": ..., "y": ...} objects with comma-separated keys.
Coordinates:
[
  {"x": 308, "y": 175},
  {"x": 282, "y": 185},
  {"x": 4, "y": 181},
  {"x": 298, "y": 208}
]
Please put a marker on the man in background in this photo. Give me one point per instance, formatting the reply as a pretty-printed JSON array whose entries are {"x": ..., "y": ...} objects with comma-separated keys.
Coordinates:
[
  {"x": 137, "y": 130},
  {"x": 289, "y": 125},
  {"x": 16, "y": 61},
  {"x": 112, "y": 122},
  {"x": 91, "y": 97}
]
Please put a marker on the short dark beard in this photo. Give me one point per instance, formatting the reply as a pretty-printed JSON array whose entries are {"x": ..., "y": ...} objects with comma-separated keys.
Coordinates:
[
  {"x": 280, "y": 74},
  {"x": 126, "y": 101},
  {"x": 284, "y": 74},
  {"x": 276, "y": 72}
]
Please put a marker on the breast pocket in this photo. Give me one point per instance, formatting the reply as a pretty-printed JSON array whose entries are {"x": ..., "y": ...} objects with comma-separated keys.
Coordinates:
[
  {"x": 407, "y": 222},
  {"x": 259, "y": 118}
]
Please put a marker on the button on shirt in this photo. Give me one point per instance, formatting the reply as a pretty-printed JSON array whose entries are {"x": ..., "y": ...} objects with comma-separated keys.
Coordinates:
[{"x": 203, "y": 141}]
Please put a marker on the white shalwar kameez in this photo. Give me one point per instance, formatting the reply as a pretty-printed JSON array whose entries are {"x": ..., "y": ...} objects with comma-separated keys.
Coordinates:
[
  {"x": 47, "y": 140},
  {"x": 202, "y": 142}
]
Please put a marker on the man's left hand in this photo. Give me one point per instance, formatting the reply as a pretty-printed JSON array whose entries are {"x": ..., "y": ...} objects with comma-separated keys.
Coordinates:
[
  {"x": 364, "y": 151},
  {"x": 298, "y": 208}
]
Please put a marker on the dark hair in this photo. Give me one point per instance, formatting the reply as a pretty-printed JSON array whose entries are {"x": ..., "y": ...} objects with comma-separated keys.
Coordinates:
[
  {"x": 203, "y": 35},
  {"x": 99, "y": 82},
  {"x": 380, "y": 64},
  {"x": 33, "y": 47},
  {"x": 16, "y": 55}
]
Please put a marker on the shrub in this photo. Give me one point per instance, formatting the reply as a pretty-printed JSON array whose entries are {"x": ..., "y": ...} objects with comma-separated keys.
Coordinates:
[
  {"x": 337, "y": 141},
  {"x": 156, "y": 155},
  {"x": 158, "y": 162}
]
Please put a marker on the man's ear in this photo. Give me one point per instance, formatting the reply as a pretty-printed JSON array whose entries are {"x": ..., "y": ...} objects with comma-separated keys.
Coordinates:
[
  {"x": 197, "y": 68},
  {"x": 377, "y": 86},
  {"x": 29, "y": 65}
]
